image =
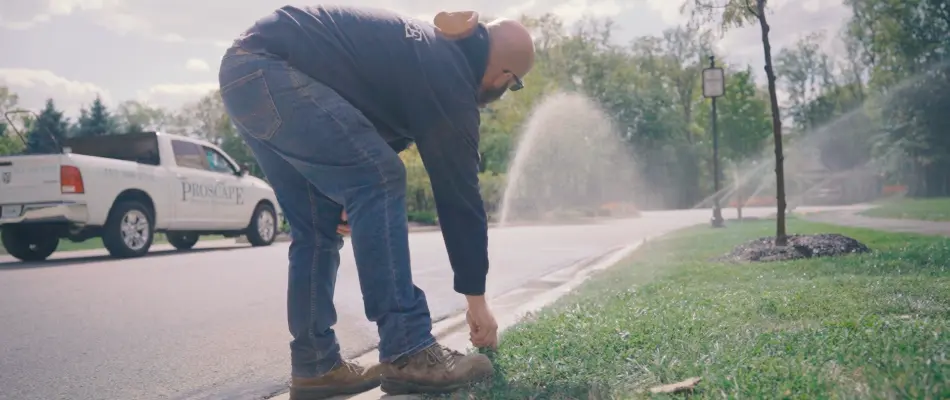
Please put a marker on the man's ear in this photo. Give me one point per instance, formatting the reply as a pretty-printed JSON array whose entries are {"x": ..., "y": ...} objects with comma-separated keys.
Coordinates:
[{"x": 456, "y": 25}]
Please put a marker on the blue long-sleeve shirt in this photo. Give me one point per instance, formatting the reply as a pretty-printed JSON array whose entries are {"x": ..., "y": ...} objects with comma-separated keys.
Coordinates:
[{"x": 414, "y": 86}]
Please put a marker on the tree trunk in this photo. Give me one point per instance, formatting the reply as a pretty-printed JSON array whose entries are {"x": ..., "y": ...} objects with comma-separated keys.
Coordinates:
[{"x": 780, "y": 237}]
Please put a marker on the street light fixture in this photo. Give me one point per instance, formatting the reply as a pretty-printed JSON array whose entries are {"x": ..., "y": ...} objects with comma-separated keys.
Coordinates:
[{"x": 714, "y": 86}]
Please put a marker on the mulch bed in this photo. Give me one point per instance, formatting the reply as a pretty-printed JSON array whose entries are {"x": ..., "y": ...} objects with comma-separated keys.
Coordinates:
[{"x": 799, "y": 246}]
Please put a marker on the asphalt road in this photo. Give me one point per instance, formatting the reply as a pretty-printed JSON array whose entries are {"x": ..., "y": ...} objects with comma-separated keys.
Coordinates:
[{"x": 210, "y": 323}]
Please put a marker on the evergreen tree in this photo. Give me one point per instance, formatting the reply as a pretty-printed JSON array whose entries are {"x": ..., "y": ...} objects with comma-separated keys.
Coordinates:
[
  {"x": 76, "y": 128},
  {"x": 97, "y": 121},
  {"x": 49, "y": 126},
  {"x": 134, "y": 127}
]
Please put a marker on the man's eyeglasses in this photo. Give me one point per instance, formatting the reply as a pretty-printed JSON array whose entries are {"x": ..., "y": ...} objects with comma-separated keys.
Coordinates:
[{"x": 519, "y": 84}]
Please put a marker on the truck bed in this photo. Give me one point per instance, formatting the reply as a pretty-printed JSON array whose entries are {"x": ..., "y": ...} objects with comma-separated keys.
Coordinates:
[
  {"x": 30, "y": 178},
  {"x": 36, "y": 179}
]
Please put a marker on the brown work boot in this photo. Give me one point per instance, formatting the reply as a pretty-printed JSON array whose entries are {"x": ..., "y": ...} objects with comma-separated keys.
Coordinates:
[
  {"x": 347, "y": 378},
  {"x": 436, "y": 369}
]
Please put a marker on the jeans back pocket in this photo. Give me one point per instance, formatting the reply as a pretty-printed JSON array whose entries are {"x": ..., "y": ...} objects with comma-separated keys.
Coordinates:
[{"x": 251, "y": 106}]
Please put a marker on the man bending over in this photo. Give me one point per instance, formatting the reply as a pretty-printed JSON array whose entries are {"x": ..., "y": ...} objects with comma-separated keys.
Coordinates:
[{"x": 326, "y": 97}]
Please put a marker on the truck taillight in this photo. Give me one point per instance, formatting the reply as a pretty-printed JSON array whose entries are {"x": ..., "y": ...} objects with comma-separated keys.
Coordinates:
[{"x": 70, "y": 180}]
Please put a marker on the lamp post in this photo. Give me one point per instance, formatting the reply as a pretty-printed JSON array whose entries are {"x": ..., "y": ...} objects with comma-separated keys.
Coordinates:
[{"x": 714, "y": 86}]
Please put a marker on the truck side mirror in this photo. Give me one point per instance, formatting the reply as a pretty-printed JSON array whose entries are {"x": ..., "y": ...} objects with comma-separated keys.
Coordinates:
[{"x": 245, "y": 169}]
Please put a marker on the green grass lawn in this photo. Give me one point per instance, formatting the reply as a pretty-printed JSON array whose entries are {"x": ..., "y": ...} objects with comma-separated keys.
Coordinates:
[
  {"x": 861, "y": 326},
  {"x": 923, "y": 209}
]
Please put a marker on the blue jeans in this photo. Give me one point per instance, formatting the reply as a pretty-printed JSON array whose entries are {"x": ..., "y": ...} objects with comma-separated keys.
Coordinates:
[{"x": 321, "y": 155}]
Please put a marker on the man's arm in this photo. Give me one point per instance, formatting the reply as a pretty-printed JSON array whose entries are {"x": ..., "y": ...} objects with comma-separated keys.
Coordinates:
[{"x": 449, "y": 150}]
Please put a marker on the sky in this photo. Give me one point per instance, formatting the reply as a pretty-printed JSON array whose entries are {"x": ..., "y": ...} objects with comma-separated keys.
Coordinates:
[{"x": 166, "y": 52}]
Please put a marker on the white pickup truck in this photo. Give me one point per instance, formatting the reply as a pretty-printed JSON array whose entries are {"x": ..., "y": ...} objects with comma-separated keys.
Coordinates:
[{"x": 124, "y": 189}]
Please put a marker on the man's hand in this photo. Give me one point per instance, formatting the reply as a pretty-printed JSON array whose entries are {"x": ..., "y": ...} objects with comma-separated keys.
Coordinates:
[
  {"x": 481, "y": 322},
  {"x": 343, "y": 229}
]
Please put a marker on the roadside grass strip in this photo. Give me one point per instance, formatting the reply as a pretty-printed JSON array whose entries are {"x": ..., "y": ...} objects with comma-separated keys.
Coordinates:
[{"x": 874, "y": 325}]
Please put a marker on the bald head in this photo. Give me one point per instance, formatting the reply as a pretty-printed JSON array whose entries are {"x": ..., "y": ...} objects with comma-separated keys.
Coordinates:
[
  {"x": 510, "y": 58},
  {"x": 510, "y": 54},
  {"x": 512, "y": 47}
]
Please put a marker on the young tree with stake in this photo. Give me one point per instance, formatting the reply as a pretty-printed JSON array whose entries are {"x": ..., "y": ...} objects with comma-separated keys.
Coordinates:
[{"x": 734, "y": 14}]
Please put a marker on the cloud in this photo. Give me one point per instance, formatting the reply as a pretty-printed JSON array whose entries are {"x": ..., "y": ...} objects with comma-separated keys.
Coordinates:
[
  {"x": 573, "y": 10},
  {"x": 124, "y": 22},
  {"x": 669, "y": 10},
  {"x": 173, "y": 95},
  {"x": 120, "y": 16},
  {"x": 154, "y": 42},
  {"x": 34, "y": 86},
  {"x": 29, "y": 78},
  {"x": 217, "y": 22},
  {"x": 196, "y": 64},
  {"x": 25, "y": 14},
  {"x": 24, "y": 24},
  {"x": 183, "y": 89}
]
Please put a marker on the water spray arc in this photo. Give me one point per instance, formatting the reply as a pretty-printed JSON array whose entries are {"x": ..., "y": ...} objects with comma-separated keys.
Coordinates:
[
  {"x": 858, "y": 131},
  {"x": 569, "y": 163}
]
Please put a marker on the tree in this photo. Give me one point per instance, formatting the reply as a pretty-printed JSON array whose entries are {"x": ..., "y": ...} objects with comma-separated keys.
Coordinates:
[
  {"x": 132, "y": 116},
  {"x": 97, "y": 121},
  {"x": 736, "y": 13},
  {"x": 808, "y": 75},
  {"x": 649, "y": 90},
  {"x": 48, "y": 132},
  {"x": 502, "y": 122},
  {"x": 744, "y": 125},
  {"x": 8, "y": 102},
  {"x": 906, "y": 44},
  {"x": 744, "y": 117},
  {"x": 233, "y": 144},
  {"x": 673, "y": 64},
  {"x": 685, "y": 50},
  {"x": 203, "y": 118},
  {"x": 73, "y": 129},
  {"x": 10, "y": 143},
  {"x": 420, "y": 202}
]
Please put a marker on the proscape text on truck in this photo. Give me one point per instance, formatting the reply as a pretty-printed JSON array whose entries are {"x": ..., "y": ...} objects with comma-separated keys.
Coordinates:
[{"x": 125, "y": 189}]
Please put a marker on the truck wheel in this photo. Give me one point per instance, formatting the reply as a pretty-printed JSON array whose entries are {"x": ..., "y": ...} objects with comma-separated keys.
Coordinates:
[
  {"x": 263, "y": 228},
  {"x": 182, "y": 240},
  {"x": 28, "y": 244},
  {"x": 129, "y": 230}
]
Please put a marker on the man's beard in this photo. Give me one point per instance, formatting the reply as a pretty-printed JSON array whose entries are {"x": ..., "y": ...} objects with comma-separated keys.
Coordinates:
[{"x": 491, "y": 95}]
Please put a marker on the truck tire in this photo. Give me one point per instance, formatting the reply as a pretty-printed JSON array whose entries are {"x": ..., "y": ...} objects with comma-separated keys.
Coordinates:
[
  {"x": 129, "y": 230},
  {"x": 28, "y": 243},
  {"x": 182, "y": 240},
  {"x": 263, "y": 227}
]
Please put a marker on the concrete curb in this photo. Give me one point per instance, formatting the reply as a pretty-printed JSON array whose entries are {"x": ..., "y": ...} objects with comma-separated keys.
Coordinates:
[{"x": 510, "y": 308}]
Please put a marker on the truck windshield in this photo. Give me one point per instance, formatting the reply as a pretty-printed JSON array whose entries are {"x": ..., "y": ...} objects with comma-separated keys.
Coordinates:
[{"x": 136, "y": 147}]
